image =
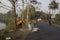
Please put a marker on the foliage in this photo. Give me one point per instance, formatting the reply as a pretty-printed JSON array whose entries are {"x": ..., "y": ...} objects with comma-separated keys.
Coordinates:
[
  {"x": 33, "y": 14},
  {"x": 1, "y": 35},
  {"x": 57, "y": 19},
  {"x": 8, "y": 19},
  {"x": 34, "y": 1},
  {"x": 30, "y": 10},
  {"x": 41, "y": 14},
  {"x": 53, "y": 5}
]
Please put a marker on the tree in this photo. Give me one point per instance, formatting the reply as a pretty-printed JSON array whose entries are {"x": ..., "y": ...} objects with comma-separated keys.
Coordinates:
[
  {"x": 28, "y": 17},
  {"x": 31, "y": 12},
  {"x": 38, "y": 14},
  {"x": 34, "y": 1},
  {"x": 57, "y": 19},
  {"x": 52, "y": 6},
  {"x": 22, "y": 9},
  {"x": 13, "y": 2}
]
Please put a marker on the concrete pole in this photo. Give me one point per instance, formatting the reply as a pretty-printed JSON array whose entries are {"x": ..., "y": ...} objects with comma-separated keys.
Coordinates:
[{"x": 27, "y": 15}]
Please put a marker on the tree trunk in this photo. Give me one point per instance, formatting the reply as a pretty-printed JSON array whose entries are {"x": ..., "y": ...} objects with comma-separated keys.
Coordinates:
[
  {"x": 14, "y": 13},
  {"x": 22, "y": 10}
]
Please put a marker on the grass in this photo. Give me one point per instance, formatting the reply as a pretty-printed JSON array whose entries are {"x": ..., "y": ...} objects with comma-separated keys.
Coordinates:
[{"x": 14, "y": 34}]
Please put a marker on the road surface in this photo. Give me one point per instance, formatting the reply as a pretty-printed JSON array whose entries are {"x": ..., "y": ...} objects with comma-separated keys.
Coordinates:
[{"x": 46, "y": 32}]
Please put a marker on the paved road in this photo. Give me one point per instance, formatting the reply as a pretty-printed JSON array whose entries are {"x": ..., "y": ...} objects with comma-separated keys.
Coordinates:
[{"x": 46, "y": 32}]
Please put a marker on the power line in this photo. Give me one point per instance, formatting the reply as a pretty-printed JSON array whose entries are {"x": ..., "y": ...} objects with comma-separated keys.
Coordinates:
[
  {"x": 4, "y": 8},
  {"x": 6, "y": 5}
]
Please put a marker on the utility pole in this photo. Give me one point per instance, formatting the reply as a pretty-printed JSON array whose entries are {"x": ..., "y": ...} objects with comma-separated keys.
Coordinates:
[
  {"x": 25, "y": 24},
  {"x": 27, "y": 17}
]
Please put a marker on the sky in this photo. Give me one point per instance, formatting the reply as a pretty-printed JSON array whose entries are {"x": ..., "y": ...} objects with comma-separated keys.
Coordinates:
[
  {"x": 5, "y": 2},
  {"x": 43, "y": 6}
]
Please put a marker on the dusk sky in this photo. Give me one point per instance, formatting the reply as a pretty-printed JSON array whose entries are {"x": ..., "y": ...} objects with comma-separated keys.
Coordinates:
[{"x": 44, "y": 5}]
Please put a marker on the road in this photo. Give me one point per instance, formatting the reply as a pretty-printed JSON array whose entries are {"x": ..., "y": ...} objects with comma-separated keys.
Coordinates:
[{"x": 46, "y": 32}]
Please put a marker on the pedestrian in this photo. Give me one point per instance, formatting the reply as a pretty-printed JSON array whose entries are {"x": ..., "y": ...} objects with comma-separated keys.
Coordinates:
[
  {"x": 30, "y": 26},
  {"x": 50, "y": 22}
]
